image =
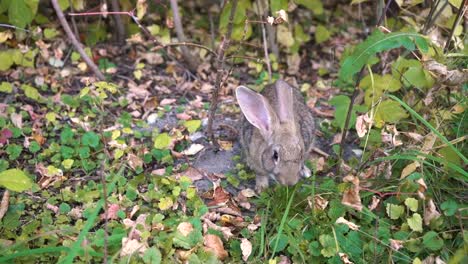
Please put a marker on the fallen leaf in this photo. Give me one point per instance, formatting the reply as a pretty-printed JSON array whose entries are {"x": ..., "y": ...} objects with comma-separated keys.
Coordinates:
[
  {"x": 430, "y": 212},
  {"x": 192, "y": 173},
  {"x": 363, "y": 124},
  {"x": 345, "y": 258},
  {"x": 246, "y": 248},
  {"x": 4, "y": 204},
  {"x": 111, "y": 212},
  {"x": 167, "y": 101},
  {"x": 375, "y": 202},
  {"x": 410, "y": 168},
  {"x": 351, "y": 195},
  {"x": 193, "y": 149},
  {"x": 320, "y": 203},
  {"x": 134, "y": 161},
  {"x": 396, "y": 244},
  {"x": 185, "y": 228},
  {"x": 17, "y": 120},
  {"x": 132, "y": 246},
  {"x": 214, "y": 244},
  {"x": 351, "y": 225},
  {"x": 53, "y": 208}
]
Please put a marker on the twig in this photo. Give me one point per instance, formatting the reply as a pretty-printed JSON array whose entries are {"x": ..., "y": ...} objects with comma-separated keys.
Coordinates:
[
  {"x": 75, "y": 41},
  {"x": 264, "y": 40},
  {"x": 348, "y": 114},
  {"x": 75, "y": 28},
  {"x": 384, "y": 12},
  {"x": 188, "y": 57},
  {"x": 118, "y": 22},
  {"x": 460, "y": 14},
  {"x": 220, "y": 61}
]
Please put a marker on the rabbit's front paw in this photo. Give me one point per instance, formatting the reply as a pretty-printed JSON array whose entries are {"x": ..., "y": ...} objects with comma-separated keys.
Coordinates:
[{"x": 261, "y": 183}]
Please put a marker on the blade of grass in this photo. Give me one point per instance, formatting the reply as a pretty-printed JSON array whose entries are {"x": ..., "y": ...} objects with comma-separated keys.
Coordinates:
[
  {"x": 283, "y": 222},
  {"x": 262, "y": 230},
  {"x": 414, "y": 158},
  {"x": 420, "y": 118},
  {"x": 32, "y": 252},
  {"x": 75, "y": 248}
]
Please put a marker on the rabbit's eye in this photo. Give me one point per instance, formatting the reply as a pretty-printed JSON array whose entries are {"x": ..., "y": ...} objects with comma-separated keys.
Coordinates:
[{"x": 275, "y": 156}]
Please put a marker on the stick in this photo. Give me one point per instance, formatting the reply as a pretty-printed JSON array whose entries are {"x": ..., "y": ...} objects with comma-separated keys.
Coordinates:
[
  {"x": 220, "y": 61},
  {"x": 75, "y": 41},
  {"x": 461, "y": 10}
]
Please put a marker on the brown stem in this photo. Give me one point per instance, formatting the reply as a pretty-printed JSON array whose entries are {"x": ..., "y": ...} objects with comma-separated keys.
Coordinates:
[
  {"x": 75, "y": 41},
  {"x": 118, "y": 22},
  {"x": 191, "y": 60},
  {"x": 461, "y": 10},
  {"x": 348, "y": 114},
  {"x": 220, "y": 61},
  {"x": 264, "y": 40},
  {"x": 75, "y": 28}
]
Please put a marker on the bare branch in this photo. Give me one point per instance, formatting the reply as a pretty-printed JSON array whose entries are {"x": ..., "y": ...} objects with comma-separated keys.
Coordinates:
[{"x": 75, "y": 41}]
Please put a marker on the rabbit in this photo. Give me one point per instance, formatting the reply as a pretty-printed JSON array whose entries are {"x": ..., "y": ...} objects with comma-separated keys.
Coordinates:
[{"x": 277, "y": 133}]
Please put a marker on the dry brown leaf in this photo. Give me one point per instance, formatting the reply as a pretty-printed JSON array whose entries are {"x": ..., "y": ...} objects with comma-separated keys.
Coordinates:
[
  {"x": 53, "y": 208},
  {"x": 214, "y": 244},
  {"x": 351, "y": 225},
  {"x": 4, "y": 204},
  {"x": 445, "y": 76},
  {"x": 183, "y": 116},
  {"x": 167, "y": 101},
  {"x": 410, "y": 168},
  {"x": 351, "y": 196},
  {"x": 363, "y": 124},
  {"x": 430, "y": 212},
  {"x": 192, "y": 173},
  {"x": 193, "y": 149},
  {"x": 132, "y": 246},
  {"x": 185, "y": 228},
  {"x": 422, "y": 188},
  {"x": 17, "y": 120},
  {"x": 111, "y": 212},
  {"x": 320, "y": 203},
  {"x": 375, "y": 202},
  {"x": 246, "y": 248},
  {"x": 396, "y": 244},
  {"x": 134, "y": 161},
  {"x": 345, "y": 258},
  {"x": 226, "y": 231}
]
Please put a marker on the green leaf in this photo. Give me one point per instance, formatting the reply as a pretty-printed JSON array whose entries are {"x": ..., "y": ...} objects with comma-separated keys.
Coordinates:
[
  {"x": 6, "y": 60},
  {"x": 277, "y": 5},
  {"x": 152, "y": 256},
  {"x": 329, "y": 246},
  {"x": 376, "y": 42},
  {"x": 389, "y": 111},
  {"x": 415, "y": 222},
  {"x": 341, "y": 104},
  {"x": 449, "y": 207},
  {"x": 374, "y": 87},
  {"x": 281, "y": 243},
  {"x": 34, "y": 147},
  {"x": 412, "y": 204},
  {"x": 90, "y": 139},
  {"x": 84, "y": 152},
  {"x": 192, "y": 125},
  {"x": 315, "y": 6},
  {"x": 15, "y": 180},
  {"x": 395, "y": 211},
  {"x": 321, "y": 34},
  {"x": 19, "y": 13},
  {"x": 31, "y": 92},
  {"x": 14, "y": 151},
  {"x": 6, "y": 87},
  {"x": 432, "y": 241},
  {"x": 68, "y": 163},
  {"x": 418, "y": 77},
  {"x": 162, "y": 141},
  {"x": 50, "y": 33},
  {"x": 165, "y": 203},
  {"x": 64, "y": 208},
  {"x": 66, "y": 136}
]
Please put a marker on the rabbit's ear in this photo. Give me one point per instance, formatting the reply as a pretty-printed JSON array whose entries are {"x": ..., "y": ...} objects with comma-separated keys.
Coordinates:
[
  {"x": 256, "y": 109},
  {"x": 285, "y": 96}
]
